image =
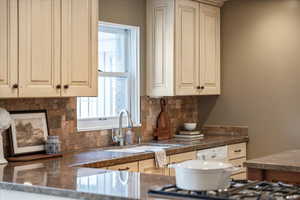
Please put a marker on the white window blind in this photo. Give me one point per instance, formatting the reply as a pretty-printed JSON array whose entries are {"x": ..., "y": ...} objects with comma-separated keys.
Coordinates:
[{"x": 118, "y": 79}]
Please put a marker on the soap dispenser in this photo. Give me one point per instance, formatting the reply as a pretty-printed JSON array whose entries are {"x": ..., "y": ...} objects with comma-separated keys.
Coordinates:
[{"x": 129, "y": 136}]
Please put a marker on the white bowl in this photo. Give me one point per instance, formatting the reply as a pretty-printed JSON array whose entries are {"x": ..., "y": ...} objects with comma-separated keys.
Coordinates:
[
  {"x": 197, "y": 175},
  {"x": 190, "y": 126}
]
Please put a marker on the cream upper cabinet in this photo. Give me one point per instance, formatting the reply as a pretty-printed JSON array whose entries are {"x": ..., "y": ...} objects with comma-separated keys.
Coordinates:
[
  {"x": 48, "y": 48},
  {"x": 8, "y": 48},
  {"x": 39, "y": 48},
  {"x": 183, "y": 44},
  {"x": 210, "y": 49},
  {"x": 187, "y": 47},
  {"x": 79, "y": 47}
]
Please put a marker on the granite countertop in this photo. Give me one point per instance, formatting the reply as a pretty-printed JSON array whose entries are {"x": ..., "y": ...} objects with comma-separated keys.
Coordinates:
[
  {"x": 68, "y": 177},
  {"x": 285, "y": 161}
]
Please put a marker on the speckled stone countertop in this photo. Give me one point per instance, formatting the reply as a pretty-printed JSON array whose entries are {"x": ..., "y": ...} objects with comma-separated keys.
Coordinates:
[
  {"x": 285, "y": 161},
  {"x": 68, "y": 177}
]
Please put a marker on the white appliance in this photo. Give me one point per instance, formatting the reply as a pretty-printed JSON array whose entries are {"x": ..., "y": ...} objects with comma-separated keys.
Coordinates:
[{"x": 215, "y": 154}]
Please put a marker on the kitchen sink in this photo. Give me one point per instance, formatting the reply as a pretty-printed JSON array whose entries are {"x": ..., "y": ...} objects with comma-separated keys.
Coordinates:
[{"x": 144, "y": 148}]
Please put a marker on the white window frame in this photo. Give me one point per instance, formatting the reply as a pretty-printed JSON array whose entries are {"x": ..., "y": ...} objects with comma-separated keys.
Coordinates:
[{"x": 133, "y": 75}]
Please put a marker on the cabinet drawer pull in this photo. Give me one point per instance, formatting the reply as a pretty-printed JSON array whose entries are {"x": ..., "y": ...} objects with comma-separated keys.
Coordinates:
[
  {"x": 124, "y": 169},
  {"x": 238, "y": 151},
  {"x": 58, "y": 87},
  {"x": 66, "y": 86}
]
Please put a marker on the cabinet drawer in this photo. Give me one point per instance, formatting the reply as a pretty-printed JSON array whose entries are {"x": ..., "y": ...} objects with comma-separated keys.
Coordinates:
[
  {"x": 132, "y": 167},
  {"x": 183, "y": 157},
  {"x": 149, "y": 167},
  {"x": 236, "y": 151},
  {"x": 239, "y": 163},
  {"x": 240, "y": 176}
]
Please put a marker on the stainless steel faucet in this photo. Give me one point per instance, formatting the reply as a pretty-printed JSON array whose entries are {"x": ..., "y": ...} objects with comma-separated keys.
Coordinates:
[{"x": 120, "y": 136}]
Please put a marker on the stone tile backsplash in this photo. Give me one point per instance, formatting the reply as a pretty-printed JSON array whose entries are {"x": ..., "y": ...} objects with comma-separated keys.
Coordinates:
[{"x": 62, "y": 119}]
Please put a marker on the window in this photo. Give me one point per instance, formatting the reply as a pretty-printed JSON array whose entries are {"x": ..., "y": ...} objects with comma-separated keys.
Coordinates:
[{"x": 118, "y": 79}]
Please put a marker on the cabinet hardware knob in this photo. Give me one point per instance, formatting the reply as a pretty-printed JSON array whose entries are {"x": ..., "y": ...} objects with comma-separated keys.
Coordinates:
[
  {"x": 58, "y": 87},
  {"x": 15, "y": 86},
  {"x": 66, "y": 86},
  {"x": 200, "y": 87}
]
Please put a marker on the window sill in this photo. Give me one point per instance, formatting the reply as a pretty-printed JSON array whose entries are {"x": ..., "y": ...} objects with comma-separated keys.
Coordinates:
[{"x": 102, "y": 128}]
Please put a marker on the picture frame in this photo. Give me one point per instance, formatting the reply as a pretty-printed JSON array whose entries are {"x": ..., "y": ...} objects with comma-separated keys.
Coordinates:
[{"x": 29, "y": 131}]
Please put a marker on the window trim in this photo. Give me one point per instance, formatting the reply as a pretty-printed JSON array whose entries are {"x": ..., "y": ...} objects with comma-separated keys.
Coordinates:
[{"x": 133, "y": 82}]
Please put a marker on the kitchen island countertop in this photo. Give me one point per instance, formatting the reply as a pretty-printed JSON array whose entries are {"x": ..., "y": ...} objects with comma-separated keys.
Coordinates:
[{"x": 284, "y": 161}]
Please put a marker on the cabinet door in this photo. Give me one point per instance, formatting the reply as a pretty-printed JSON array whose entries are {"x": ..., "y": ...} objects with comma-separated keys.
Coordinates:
[
  {"x": 187, "y": 47},
  {"x": 8, "y": 48},
  {"x": 79, "y": 47},
  {"x": 160, "y": 47},
  {"x": 210, "y": 49},
  {"x": 39, "y": 48},
  {"x": 149, "y": 167}
]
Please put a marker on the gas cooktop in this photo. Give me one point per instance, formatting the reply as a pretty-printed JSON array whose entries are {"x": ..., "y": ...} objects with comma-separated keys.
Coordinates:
[{"x": 247, "y": 190}]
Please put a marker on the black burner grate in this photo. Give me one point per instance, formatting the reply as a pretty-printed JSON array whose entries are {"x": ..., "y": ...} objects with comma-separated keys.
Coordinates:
[
  {"x": 247, "y": 190},
  {"x": 173, "y": 191}
]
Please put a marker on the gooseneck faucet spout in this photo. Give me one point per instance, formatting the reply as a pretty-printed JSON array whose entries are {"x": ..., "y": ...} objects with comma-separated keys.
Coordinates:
[{"x": 121, "y": 138}]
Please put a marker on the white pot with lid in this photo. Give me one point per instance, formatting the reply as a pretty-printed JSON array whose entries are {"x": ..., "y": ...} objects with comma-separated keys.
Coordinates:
[{"x": 198, "y": 175}]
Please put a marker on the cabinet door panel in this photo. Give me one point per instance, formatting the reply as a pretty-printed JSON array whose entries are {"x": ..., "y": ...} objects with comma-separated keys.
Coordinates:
[
  {"x": 39, "y": 48},
  {"x": 79, "y": 47},
  {"x": 187, "y": 47},
  {"x": 160, "y": 45},
  {"x": 149, "y": 167},
  {"x": 210, "y": 49},
  {"x": 8, "y": 48}
]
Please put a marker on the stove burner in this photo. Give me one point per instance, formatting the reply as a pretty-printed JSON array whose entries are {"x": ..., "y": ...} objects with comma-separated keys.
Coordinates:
[{"x": 241, "y": 189}]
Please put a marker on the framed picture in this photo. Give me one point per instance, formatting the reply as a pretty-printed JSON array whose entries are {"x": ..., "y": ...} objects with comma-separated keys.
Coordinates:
[{"x": 29, "y": 131}]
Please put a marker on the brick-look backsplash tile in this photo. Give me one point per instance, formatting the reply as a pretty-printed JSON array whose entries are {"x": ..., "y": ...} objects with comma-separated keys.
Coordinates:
[{"x": 62, "y": 119}]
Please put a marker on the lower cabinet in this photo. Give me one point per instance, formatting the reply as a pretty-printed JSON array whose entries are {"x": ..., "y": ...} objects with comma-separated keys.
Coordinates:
[
  {"x": 149, "y": 167},
  {"x": 236, "y": 155}
]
